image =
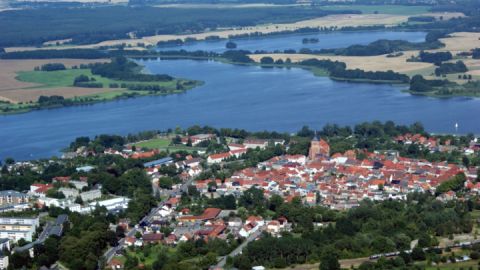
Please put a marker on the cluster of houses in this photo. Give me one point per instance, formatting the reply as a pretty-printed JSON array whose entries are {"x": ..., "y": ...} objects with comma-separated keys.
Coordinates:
[
  {"x": 434, "y": 145},
  {"x": 210, "y": 224},
  {"x": 236, "y": 150},
  {"x": 342, "y": 180},
  {"x": 77, "y": 196}
]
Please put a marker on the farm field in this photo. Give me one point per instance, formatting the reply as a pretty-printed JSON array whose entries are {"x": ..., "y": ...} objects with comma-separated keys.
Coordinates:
[
  {"x": 461, "y": 41},
  {"x": 383, "y": 9},
  {"x": 367, "y": 63},
  {"x": 13, "y": 90}
]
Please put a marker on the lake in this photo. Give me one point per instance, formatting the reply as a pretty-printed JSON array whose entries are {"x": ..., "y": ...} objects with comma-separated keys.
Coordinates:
[
  {"x": 327, "y": 40},
  {"x": 248, "y": 97}
]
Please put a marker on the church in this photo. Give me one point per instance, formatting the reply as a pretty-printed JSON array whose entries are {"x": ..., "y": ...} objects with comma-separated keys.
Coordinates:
[{"x": 318, "y": 148}]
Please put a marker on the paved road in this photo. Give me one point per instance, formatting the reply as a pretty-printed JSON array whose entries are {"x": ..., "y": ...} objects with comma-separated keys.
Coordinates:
[
  {"x": 239, "y": 249},
  {"x": 110, "y": 253}
]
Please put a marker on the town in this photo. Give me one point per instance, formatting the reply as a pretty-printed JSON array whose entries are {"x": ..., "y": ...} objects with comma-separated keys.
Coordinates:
[{"x": 209, "y": 187}]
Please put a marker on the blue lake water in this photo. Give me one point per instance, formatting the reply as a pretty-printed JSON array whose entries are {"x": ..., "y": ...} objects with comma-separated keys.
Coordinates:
[
  {"x": 294, "y": 41},
  {"x": 234, "y": 96}
]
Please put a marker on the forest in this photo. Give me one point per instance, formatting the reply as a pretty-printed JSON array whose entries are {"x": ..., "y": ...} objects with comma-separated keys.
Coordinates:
[
  {"x": 63, "y": 23},
  {"x": 448, "y": 68},
  {"x": 120, "y": 68},
  {"x": 383, "y": 46},
  {"x": 48, "y": 54}
]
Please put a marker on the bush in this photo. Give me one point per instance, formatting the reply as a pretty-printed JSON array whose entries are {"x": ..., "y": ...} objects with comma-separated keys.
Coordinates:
[
  {"x": 53, "y": 67},
  {"x": 267, "y": 60},
  {"x": 475, "y": 255}
]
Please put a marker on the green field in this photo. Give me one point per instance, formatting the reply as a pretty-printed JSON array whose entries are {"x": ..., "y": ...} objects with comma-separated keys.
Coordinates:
[
  {"x": 65, "y": 78},
  {"x": 382, "y": 9},
  {"x": 154, "y": 143},
  {"x": 165, "y": 144}
]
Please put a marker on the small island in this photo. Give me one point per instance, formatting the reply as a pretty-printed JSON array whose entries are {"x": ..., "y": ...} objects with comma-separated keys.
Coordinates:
[{"x": 310, "y": 40}]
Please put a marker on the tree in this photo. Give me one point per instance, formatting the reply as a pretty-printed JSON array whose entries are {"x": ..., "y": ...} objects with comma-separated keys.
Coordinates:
[
  {"x": 231, "y": 45},
  {"x": 253, "y": 199},
  {"x": 267, "y": 60},
  {"x": 9, "y": 161},
  {"x": 418, "y": 254},
  {"x": 165, "y": 182},
  {"x": 456, "y": 183},
  {"x": 329, "y": 260},
  {"x": 212, "y": 186}
]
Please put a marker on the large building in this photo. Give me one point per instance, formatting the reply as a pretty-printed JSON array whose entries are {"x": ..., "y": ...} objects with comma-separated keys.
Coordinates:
[
  {"x": 12, "y": 197},
  {"x": 91, "y": 195},
  {"x": 18, "y": 228},
  {"x": 318, "y": 148},
  {"x": 208, "y": 214}
]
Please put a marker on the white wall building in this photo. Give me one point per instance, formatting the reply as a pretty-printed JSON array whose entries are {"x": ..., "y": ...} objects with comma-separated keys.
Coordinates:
[{"x": 91, "y": 195}]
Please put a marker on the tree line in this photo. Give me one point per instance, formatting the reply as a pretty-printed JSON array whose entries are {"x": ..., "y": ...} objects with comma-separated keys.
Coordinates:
[{"x": 371, "y": 228}]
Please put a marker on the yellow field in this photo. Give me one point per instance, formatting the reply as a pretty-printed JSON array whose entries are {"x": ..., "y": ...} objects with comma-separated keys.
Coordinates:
[
  {"x": 461, "y": 41},
  {"x": 368, "y": 63}
]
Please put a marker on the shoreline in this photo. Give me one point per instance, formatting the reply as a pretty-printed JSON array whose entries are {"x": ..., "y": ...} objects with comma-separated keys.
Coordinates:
[{"x": 122, "y": 96}]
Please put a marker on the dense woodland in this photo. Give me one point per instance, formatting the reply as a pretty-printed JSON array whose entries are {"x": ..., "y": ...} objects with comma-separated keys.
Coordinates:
[
  {"x": 383, "y": 46},
  {"x": 420, "y": 84},
  {"x": 48, "y": 54},
  {"x": 435, "y": 57},
  {"x": 449, "y": 68},
  {"x": 63, "y": 23},
  {"x": 120, "y": 68}
]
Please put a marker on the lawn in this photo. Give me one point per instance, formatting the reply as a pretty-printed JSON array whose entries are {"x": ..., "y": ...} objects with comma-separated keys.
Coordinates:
[
  {"x": 149, "y": 254},
  {"x": 154, "y": 143},
  {"x": 164, "y": 144},
  {"x": 382, "y": 9}
]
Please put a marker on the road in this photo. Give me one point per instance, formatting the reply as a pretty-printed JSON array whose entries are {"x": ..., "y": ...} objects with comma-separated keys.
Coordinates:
[
  {"x": 239, "y": 249},
  {"x": 110, "y": 253}
]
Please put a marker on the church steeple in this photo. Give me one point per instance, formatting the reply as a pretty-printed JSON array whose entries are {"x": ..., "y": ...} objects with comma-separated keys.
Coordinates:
[{"x": 315, "y": 137}]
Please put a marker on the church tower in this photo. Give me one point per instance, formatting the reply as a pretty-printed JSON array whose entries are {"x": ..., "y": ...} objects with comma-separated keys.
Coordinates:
[{"x": 318, "y": 148}]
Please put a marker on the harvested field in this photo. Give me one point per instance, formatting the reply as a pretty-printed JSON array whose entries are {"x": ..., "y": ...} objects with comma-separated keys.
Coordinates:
[
  {"x": 16, "y": 91},
  {"x": 27, "y": 95},
  {"x": 461, "y": 41},
  {"x": 368, "y": 63}
]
